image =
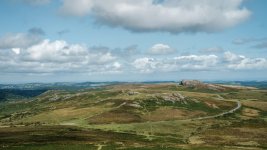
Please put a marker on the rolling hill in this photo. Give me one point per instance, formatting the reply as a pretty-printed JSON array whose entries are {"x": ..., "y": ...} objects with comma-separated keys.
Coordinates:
[{"x": 138, "y": 116}]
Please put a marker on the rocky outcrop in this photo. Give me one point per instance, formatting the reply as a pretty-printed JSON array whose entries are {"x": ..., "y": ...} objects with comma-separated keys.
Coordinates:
[
  {"x": 201, "y": 85},
  {"x": 191, "y": 83},
  {"x": 174, "y": 97}
]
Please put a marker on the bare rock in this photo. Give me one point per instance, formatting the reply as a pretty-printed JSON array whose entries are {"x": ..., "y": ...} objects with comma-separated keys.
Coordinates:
[
  {"x": 133, "y": 93},
  {"x": 191, "y": 83},
  {"x": 174, "y": 97},
  {"x": 201, "y": 85}
]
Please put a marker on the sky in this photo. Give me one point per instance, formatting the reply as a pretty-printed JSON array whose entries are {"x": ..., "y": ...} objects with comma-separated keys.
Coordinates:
[{"x": 132, "y": 40}]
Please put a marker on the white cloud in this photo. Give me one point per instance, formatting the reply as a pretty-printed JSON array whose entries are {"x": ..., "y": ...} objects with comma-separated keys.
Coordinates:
[
  {"x": 231, "y": 57},
  {"x": 240, "y": 62},
  {"x": 160, "y": 49},
  {"x": 145, "y": 65},
  {"x": 117, "y": 65},
  {"x": 180, "y": 63},
  {"x": 19, "y": 40},
  {"x": 199, "y": 63},
  {"x": 16, "y": 50},
  {"x": 76, "y": 8},
  {"x": 169, "y": 15},
  {"x": 58, "y": 56},
  {"x": 45, "y": 56},
  {"x": 196, "y": 62},
  {"x": 56, "y": 51}
]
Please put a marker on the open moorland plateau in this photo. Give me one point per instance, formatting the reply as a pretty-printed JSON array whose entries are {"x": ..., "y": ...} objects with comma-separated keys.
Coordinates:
[
  {"x": 125, "y": 74},
  {"x": 186, "y": 115}
]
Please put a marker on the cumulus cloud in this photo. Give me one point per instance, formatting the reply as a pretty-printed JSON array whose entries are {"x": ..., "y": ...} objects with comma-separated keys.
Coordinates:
[
  {"x": 16, "y": 50},
  {"x": 168, "y": 15},
  {"x": 240, "y": 62},
  {"x": 22, "y": 53},
  {"x": 145, "y": 65},
  {"x": 57, "y": 51},
  {"x": 180, "y": 63},
  {"x": 196, "y": 62},
  {"x": 21, "y": 40},
  {"x": 58, "y": 56},
  {"x": 161, "y": 49}
]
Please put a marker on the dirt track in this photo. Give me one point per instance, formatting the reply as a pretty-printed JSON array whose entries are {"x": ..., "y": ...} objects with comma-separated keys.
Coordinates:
[{"x": 238, "y": 106}]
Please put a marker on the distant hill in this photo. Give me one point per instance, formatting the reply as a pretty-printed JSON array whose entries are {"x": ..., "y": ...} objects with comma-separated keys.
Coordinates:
[
  {"x": 195, "y": 84},
  {"x": 28, "y": 90},
  {"x": 15, "y": 94},
  {"x": 257, "y": 84},
  {"x": 55, "y": 86}
]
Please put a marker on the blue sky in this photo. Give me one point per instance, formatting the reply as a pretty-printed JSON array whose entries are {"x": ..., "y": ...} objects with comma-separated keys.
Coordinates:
[{"x": 132, "y": 40}]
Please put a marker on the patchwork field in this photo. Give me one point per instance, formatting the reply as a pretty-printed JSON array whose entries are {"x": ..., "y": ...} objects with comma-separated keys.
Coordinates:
[{"x": 138, "y": 116}]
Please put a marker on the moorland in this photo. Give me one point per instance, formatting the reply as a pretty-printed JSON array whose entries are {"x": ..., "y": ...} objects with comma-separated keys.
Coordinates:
[{"x": 167, "y": 115}]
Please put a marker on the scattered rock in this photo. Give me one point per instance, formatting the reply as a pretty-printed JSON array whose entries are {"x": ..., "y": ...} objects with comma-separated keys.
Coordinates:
[
  {"x": 54, "y": 98},
  {"x": 133, "y": 93},
  {"x": 134, "y": 104},
  {"x": 174, "y": 97}
]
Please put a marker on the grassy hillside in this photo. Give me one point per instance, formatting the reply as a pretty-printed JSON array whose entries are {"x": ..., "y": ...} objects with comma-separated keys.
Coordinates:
[{"x": 137, "y": 116}]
